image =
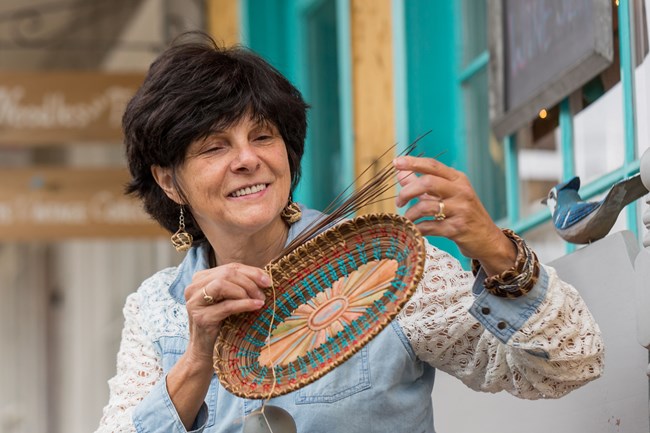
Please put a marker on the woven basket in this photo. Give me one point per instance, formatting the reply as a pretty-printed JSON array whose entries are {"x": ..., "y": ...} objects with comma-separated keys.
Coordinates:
[{"x": 333, "y": 294}]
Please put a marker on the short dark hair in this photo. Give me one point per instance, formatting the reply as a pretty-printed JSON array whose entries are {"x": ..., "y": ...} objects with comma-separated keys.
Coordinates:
[{"x": 191, "y": 88}]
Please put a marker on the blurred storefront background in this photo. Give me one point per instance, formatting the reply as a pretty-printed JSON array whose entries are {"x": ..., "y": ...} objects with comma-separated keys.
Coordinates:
[
  {"x": 72, "y": 245},
  {"x": 376, "y": 72}
]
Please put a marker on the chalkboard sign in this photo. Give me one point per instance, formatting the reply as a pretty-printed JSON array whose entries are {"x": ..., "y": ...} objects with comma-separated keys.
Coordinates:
[{"x": 540, "y": 52}]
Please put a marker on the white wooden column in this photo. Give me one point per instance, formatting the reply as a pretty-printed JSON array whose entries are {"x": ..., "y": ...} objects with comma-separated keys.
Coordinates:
[
  {"x": 642, "y": 265},
  {"x": 95, "y": 277},
  {"x": 23, "y": 353}
]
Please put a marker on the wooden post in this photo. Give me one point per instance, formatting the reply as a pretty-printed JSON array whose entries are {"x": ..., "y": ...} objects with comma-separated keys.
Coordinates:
[
  {"x": 223, "y": 21},
  {"x": 372, "y": 82}
]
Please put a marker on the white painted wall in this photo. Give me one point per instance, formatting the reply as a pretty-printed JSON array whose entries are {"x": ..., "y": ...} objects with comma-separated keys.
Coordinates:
[{"x": 604, "y": 275}]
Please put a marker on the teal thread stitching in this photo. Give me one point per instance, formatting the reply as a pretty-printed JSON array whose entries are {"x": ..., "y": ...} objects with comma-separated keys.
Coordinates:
[
  {"x": 391, "y": 296},
  {"x": 403, "y": 254},
  {"x": 316, "y": 283},
  {"x": 256, "y": 327},
  {"x": 325, "y": 277},
  {"x": 380, "y": 306},
  {"x": 326, "y": 349},
  {"x": 245, "y": 370},
  {"x": 362, "y": 253},
  {"x": 278, "y": 374},
  {"x": 254, "y": 341},
  {"x": 301, "y": 296},
  {"x": 264, "y": 317},
  {"x": 320, "y": 358},
  {"x": 245, "y": 353},
  {"x": 342, "y": 266},
  {"x": 398, "y": 285},
  {"x": 302, "y": 365},
  {"x": 333, "y": 275},
  {"x": 391, "y": 250},
  {"x": 376, "y": 249},
  {"x": 373, "y": 316},
  {"x": 311, "y": 359},
  {"x": 283, "y": 308},
  {"x": 292, "y": 371},
  {"x": 352, "y": 262},
  {"x": 260, "y": 378},
  {"x": 366, "y": 323},
  {"x": 334, "y": 344},
  {"x": 290, "y": 300},
  {"x": 349, "y": 331},
  {"x": 343, "y": 339}
]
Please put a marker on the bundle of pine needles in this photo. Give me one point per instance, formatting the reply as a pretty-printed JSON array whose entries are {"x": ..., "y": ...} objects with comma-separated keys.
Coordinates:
[{"x": 345, "y": 204}]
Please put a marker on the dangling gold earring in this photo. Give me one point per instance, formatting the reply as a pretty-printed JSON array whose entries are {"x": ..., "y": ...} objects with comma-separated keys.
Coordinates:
[
  {"x": 181, "y": 240},
  {"x": 291, "y": 212}
]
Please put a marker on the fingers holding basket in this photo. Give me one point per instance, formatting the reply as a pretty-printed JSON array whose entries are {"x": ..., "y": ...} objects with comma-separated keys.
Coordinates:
[{"x": 224, "y": 290}]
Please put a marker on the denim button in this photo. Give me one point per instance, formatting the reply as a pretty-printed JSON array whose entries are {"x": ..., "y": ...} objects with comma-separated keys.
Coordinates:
[
  {"x": 485, "y": 310},
  {"x": 502, "y": 325}
]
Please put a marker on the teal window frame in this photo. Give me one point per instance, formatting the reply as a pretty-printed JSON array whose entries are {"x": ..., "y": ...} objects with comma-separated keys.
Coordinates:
[
  {"x": 426, "y": 58},
  {"x": 275, "y": 30}
]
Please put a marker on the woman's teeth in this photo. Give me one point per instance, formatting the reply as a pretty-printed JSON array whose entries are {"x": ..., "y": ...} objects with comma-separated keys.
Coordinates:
[{"x": 249, "y": 190}]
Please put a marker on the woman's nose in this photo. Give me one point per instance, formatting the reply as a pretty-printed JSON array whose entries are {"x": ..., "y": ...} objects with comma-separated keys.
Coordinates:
[{"x": 246, "y": 159}]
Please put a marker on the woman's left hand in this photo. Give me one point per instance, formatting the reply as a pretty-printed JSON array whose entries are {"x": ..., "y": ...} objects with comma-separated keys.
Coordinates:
[{"x": 452, "y": 209}]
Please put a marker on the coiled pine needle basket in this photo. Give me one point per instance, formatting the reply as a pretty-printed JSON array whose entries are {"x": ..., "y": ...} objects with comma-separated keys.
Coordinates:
[{"x": 331, "y": 295}]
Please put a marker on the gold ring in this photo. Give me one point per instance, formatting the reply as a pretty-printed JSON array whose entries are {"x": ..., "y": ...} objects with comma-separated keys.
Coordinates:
[
  {"x": 207, "y": 298},
  {"x": 440, "y": 216}
]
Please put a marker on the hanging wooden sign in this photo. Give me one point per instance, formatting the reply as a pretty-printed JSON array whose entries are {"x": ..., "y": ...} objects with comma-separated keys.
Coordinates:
[
  {"x": 40, "y": 204},
  {"x": 41, "y": 108}
]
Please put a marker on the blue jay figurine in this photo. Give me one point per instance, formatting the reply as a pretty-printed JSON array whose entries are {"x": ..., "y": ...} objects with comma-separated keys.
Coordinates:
[{"x": 582, "y": 222}]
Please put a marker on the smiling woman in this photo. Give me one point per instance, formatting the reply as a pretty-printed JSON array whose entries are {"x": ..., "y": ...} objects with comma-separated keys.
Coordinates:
[{"x": 214, "y": 139}]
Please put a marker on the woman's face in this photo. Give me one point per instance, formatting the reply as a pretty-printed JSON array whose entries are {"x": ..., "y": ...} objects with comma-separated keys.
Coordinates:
[{"x": 237, "y": 179}]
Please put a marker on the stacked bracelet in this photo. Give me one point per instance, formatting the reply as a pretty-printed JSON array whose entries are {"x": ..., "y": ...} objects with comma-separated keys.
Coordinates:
[{"x": 518, "y": 280}]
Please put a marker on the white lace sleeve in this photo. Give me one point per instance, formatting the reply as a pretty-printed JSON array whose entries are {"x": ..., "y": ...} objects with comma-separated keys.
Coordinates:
[
  {"x": 138, "y": 370},
  {"x": 443, "y": 333}
]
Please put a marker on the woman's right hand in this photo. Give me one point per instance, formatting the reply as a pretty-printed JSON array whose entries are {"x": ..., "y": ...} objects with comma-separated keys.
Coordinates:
[{"x": 235, "y": 288}]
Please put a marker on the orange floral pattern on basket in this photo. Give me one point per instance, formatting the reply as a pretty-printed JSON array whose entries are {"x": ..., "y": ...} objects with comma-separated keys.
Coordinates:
[{"x": 327, "y": 314}]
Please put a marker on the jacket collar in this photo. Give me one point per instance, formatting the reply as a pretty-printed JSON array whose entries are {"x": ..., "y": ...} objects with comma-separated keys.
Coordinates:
[{"x": 196, "y": 258}]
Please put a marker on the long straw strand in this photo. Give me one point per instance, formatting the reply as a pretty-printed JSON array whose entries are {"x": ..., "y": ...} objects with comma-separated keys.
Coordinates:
[
  {"x": 333, "y": 203},
  {"x": 359, "y": 198},
  {"x": 366, "y": 194},
  {"x": 268, "y": 346}
]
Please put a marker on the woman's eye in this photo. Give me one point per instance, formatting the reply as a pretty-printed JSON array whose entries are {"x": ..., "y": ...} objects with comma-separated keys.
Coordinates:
[
  {"x": 263, "y": 138},
  {"x": 213, "y": 148}
]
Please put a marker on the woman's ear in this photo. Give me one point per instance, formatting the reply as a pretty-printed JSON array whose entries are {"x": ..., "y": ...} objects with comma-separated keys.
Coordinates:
[{"x": 165, "y": 179}]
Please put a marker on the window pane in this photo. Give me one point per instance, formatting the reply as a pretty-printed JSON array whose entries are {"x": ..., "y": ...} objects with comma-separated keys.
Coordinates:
[
  {"x": 485, "y": 159},
  {"x": 324, "y": 127},
  {"x": 540, "y": 166},
  {"x": 642, "y": 78},
  {"x": 599, "y": 138},
  {"x": 546, "y": 243},
  {"x": 474, "y": 28},
  {"x": 643, "y": 107}
]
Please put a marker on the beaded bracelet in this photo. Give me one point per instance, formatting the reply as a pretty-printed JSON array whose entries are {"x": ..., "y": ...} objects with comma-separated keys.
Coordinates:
[{"x": 519, "y": 279}]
